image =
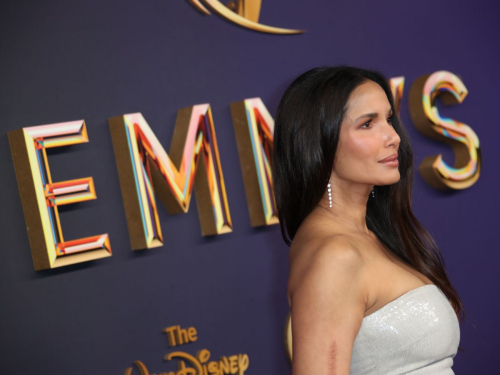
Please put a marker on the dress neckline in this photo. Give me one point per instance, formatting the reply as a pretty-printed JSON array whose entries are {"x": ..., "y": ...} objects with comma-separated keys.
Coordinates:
[{"x": 398, "y": 298}]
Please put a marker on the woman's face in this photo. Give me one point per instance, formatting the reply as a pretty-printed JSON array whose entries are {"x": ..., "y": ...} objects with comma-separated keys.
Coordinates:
[{"x": 366, "y": 138}]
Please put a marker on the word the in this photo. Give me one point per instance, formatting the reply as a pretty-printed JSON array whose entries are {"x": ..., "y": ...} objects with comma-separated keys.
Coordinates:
[{"x": 179, "y": 336}]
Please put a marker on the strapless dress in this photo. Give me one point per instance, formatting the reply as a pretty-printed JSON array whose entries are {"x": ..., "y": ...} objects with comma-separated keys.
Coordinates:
[{"x": 417, "y": 333}]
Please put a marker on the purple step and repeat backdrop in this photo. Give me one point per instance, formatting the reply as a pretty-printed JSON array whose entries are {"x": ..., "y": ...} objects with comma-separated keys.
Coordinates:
[{"x": 93, "y": 60}]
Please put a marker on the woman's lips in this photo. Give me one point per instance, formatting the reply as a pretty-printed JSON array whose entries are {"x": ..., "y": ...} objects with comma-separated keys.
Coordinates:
[{"x": 391, "y": 161}]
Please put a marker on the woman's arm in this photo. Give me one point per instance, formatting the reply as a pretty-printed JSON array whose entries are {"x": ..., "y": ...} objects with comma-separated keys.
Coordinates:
[{"x": 328, "y": 300}]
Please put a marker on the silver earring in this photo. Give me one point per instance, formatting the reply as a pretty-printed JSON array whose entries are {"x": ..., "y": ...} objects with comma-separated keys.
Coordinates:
[
  {"x": 373, "y": 192},
  {"x": 330, "y": 192}
]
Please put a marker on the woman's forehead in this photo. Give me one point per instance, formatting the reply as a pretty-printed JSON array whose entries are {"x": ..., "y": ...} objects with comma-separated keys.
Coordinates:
[{"x": 368, "y": 97}]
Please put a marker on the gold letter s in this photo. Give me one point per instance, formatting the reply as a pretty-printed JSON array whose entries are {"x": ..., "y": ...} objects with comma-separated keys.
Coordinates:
[{"x": 435, "y": 171}]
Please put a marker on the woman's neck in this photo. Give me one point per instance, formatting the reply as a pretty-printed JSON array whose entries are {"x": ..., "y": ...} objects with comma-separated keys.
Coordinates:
[{"x": 348, "y": 205}]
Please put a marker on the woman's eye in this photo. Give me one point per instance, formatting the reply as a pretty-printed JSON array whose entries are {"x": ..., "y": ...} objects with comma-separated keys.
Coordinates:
[
  {"x": 366, "y": 124},
  {"x": 389, "y": 120}
]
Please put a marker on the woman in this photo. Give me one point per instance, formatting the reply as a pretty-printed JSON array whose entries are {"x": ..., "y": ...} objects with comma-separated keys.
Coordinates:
[{"x": 367, "y": 288}]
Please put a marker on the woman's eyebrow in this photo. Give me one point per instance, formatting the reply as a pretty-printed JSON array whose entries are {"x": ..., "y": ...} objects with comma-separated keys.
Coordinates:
[{"x": 372, "y": 115}]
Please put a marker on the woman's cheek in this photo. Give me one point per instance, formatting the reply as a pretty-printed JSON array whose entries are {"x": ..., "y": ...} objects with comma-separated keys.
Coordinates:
[{"x": 363, "y": 146}]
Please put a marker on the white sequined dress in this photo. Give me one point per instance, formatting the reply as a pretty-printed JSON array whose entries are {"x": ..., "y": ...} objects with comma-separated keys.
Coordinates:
[{"x": 417, "y": 333}]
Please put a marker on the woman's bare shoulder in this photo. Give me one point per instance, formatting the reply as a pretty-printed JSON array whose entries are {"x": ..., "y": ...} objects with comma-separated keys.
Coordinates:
[
  {"x": 333, "y": 257},
  {"x": 340, "y": 247}
]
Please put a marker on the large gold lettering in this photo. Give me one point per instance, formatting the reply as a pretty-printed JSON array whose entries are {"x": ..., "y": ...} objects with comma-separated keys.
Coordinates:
[
  {"x": 254, "y": 128},
  {"x": 41, "y": 197},
  {"x": 464, "y": 141},
  {"x": 146, "y": 170}
]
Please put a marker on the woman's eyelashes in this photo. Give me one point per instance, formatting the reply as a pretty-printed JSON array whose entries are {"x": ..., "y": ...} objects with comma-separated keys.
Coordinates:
[{"x": 368, "y": 124}]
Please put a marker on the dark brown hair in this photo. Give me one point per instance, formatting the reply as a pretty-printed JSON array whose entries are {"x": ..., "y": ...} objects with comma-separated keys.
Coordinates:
[{"x": 306, "y": 135}]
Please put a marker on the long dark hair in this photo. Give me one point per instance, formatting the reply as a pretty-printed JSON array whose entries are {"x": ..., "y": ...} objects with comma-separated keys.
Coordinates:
[{"x": 306, "y": 136}]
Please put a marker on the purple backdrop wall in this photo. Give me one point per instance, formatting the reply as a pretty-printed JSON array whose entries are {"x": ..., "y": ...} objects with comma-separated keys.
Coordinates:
[{"x": 67, "y": 60}]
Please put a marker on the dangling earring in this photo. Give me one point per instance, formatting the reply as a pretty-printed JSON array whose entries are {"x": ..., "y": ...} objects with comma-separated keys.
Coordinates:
[
  {"x": 373, "y": 192},
  {"x": 330, "y": 192}
]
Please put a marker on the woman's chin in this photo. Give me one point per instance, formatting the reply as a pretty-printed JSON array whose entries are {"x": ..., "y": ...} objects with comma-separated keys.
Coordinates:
[{"x": 390, "y": 180}]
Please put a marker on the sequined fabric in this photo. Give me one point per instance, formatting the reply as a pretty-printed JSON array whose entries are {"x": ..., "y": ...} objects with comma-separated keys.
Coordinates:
[{"x": 417, "y": 333}]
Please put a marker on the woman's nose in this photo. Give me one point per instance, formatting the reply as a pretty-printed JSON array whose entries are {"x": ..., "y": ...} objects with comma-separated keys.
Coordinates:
[{"x": 392, "y": 138}]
